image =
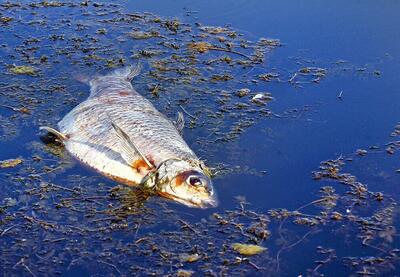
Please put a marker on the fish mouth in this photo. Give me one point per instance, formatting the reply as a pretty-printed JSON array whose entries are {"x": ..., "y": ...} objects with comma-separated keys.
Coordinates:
[{"x": 211, "y": 202}]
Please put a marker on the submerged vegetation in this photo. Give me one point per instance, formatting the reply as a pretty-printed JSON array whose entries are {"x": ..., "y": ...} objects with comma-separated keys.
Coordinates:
[{"x": 54, "y": 219}]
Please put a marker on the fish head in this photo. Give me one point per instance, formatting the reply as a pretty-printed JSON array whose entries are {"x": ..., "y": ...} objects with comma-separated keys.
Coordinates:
[{"x": 182, "y": 182}]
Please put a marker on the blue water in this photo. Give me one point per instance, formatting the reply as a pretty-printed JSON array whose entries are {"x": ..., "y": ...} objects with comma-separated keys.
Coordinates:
[
  {"x": 359, "y": 44},
  {"x": 363, "y": 34}
]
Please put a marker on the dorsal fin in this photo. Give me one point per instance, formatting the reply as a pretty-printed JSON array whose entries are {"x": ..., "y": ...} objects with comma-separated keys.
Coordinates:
[
  {"x": 130, "y": 153},
  {"x": 128, "y": 72}
]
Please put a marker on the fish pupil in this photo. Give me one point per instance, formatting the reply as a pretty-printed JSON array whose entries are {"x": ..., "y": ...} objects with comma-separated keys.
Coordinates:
[{"x": 195, "y": 181}]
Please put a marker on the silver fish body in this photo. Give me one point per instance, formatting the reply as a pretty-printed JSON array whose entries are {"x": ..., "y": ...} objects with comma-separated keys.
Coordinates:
[{"x": 101, "y": 129}]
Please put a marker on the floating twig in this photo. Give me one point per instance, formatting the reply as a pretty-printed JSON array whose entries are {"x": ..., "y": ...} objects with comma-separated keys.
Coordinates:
[
  {"x": 186, "y": 225},
  {"x": 62, "y": 188},
  {"x": 21, "y": 110},
  {"x": 340, "y": 95},
  {"x": 22, "y": 263},
  {"x": 87, "y": 198},
  {"x": 137, "y": 230},
  {"x": 8, "y": 229},
  {"x": 230, "y": 51},
  {"x": 113, "y": 266},
  {"x": 105, "y": 219},
  {"x": 292, "y": 78},
  {"x": 73, "y": 262},
  {"x": 141, "y": 239},
  {"x": 290, "y": 246},
  {"x": 321, "y": 263},
  {"x": 311, "y": 203},
  {"x": 254, "y": 265},
  {"x": 186, "y": 112},
  {"x": 203, "y": 47}
]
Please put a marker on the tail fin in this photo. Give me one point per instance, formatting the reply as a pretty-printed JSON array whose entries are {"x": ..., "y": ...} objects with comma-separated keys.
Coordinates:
[
  {"x": 58, "y": 134},
  {"x": 128, "y": 72}
]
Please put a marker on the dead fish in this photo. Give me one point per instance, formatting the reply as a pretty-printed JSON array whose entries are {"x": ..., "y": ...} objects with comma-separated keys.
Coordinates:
[{"x": 119, "y": 133}]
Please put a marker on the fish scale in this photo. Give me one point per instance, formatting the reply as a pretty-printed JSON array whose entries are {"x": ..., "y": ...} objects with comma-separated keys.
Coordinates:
[{"x": 92, "y": 140}]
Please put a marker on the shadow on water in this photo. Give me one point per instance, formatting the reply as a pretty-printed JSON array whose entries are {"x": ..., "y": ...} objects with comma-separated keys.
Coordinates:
[{"x": 302, "y": 134}]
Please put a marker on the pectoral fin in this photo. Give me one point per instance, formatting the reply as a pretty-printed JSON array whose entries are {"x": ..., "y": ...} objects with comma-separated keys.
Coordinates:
[
  {"x": 179, "y": 122},
  {"x": 130, "y": 153}
]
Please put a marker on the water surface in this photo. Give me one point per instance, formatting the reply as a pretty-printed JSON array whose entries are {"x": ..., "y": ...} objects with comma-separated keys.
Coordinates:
[{"x": 59, "y": 217}]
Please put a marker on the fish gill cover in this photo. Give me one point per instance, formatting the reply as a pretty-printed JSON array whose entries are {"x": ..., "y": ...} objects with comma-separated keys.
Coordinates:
[{"x": 56, "y": 219}]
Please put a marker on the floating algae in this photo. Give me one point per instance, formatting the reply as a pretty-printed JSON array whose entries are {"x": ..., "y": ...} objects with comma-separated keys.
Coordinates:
[
  {"x": 143, "y": 35},
  {"x": 201, "y": 47},
  {"x": 10, "y": 163},
  {"x": 5, "y": 19},
  {"x": 248, "y": 249},
  {"x": 23, "y": 70}
]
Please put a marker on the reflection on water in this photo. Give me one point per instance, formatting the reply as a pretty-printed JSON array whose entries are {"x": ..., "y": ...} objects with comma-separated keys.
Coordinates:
[{"x": 330, "y": 83}]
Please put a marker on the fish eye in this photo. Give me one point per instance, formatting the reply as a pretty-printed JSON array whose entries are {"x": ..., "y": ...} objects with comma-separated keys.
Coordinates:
[{"x": 194, "y": 181}]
